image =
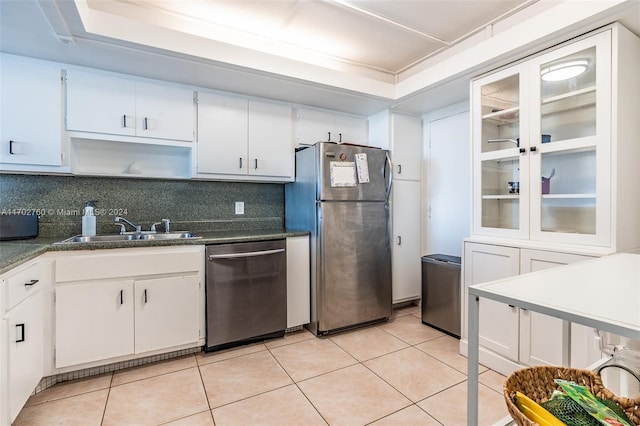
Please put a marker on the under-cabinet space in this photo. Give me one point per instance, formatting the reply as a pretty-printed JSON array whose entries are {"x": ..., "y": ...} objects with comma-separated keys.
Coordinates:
[{"x": 90, "y": 157}]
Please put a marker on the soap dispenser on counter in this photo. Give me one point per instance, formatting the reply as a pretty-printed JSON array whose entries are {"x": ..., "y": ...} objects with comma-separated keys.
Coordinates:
[{"x": 89, "y": 219}]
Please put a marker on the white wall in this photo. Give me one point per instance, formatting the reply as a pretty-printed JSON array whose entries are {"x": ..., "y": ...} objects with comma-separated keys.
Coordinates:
[{"x": 446, "y": 180}]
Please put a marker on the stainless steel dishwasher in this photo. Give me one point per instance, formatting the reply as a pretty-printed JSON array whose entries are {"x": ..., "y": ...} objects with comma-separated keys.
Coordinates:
[{"x": 246, "y": 293}]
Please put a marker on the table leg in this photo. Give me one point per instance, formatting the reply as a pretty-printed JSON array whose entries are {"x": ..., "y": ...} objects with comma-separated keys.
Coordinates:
[{"x": 472, "y": 359}]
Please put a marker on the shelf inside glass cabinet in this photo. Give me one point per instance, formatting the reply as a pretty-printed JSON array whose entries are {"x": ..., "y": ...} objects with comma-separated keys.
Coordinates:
[
  {"x": 502, "y": 116},
  {"x": 569, "y": 215}
]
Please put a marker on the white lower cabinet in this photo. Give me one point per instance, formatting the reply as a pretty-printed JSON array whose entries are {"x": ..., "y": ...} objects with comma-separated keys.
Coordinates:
[
  {"x": 405, "y": 245},
  {"x": 165, "y": 314},
  {"x": 120, "y": 318},
  {"x": 21, "y": 335},
  {"x": 94, "y": 321},
  {"x": 510, "y": 336},
  {"x": 126, "y": 303}
]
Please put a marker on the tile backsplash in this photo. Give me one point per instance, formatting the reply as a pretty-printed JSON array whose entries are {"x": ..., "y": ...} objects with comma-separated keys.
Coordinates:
[{"x": 196, "y": 206}]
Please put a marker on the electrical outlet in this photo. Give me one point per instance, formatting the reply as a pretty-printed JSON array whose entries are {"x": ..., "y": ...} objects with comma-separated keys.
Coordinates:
[{"x": 239, "y": 207}]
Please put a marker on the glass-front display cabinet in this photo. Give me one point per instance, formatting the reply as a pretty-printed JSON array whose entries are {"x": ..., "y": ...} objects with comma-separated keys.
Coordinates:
[
  {"x": 542, "y": 131},
  {"x": 501, "y": 172}
]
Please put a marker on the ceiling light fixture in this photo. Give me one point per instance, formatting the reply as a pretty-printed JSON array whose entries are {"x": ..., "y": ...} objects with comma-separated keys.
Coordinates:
[{"x": 564, "y": 70}]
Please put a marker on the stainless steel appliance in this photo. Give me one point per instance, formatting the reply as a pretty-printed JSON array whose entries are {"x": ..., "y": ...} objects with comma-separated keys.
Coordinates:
[
  {"x": 441, "y": 293},
  {"x": 341, "y": 195},
  {"x": 246, "y": 293}
]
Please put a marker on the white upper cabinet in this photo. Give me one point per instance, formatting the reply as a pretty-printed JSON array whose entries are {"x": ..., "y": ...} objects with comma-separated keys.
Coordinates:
[
  {"x": 164, "y": 112},
  {"x": 101, "y": 103},
  {"x": 270, "y": 139},
  {"x": 222, "y": 134},
  {"x": 406, "y": 147},
  {"x": 30, "y": 112},
  {"x": 246, "y": 139},
  {"x": 322, "y": 126},
  {"x": 553, "y": 158},
  {"x": 106, "y": 103}
]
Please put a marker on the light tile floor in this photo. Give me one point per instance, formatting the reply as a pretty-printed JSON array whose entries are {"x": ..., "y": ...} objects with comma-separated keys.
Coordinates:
[{"x": 397, "y": 373}]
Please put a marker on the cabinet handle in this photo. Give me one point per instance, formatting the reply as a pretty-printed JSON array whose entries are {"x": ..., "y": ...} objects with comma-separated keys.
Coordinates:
[
  {"x": 522, "y": 150},
  {"x": 512, "y": 306},
  {"x": 399, "y": 240},
  {"x": 144, "y": 124},
  {"x": 121, "y": 297},
  {"x": 145, "y": 295},
  {"x": 240, "y": 162},
  {"x": 339, "y": 137},
  {"x": 21, "y": 327},
  {"x": 32, "y": 282},
  {"x": 533, "y": 149},
  {"x": 124, "y": 121},
  {"x": 329, "y": 140},
  {"x": 11, "y": 147},
  {"x": 399, "y": 169},
  {"x": 255, "y": 165}
]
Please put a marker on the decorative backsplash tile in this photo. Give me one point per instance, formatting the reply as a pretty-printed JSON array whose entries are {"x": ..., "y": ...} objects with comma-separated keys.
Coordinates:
[{"x": 196, "y": 206}]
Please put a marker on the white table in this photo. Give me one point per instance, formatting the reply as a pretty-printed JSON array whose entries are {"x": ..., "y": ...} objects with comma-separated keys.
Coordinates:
[{"x": 602, "y": 293}]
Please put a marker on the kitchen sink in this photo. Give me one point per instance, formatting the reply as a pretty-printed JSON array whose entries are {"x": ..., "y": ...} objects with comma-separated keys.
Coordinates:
[
  {"x": 168, "y": 236},
  {"x": 130, "y": 237}
]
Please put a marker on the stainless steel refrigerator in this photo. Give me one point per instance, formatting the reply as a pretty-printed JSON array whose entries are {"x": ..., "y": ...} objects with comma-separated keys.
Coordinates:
[{"x": 341, "y": 196}]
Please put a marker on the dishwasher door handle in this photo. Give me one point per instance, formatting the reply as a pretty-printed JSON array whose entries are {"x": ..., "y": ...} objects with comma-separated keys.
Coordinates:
[{"x": 247, "y": 254}]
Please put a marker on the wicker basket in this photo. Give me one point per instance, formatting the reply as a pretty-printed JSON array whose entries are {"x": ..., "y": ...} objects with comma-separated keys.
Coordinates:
[{"x": 538, "y": 384}]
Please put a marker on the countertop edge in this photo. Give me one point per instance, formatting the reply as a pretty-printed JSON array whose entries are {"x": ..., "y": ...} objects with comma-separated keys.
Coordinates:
[{"x": 15, "y": 253}]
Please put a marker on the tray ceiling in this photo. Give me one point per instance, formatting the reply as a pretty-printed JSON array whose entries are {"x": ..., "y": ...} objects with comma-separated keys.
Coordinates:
[{"x": 385, "y": 36}]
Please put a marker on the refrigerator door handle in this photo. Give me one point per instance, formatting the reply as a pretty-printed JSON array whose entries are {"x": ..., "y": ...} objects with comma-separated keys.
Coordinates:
[{"x": 389, "y": 179}]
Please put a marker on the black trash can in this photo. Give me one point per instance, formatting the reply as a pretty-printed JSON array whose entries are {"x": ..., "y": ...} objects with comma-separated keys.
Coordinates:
[{"x": 441, "y": 293}]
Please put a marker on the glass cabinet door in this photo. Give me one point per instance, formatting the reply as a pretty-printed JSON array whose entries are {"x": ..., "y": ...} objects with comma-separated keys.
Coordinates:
[
  {"x": 500, "y": 175},
  {"x": 568, "y": 142}
]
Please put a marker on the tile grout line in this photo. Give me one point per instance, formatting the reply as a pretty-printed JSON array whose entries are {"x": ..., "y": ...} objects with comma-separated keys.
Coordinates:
[{"x": 106, "y": 401}]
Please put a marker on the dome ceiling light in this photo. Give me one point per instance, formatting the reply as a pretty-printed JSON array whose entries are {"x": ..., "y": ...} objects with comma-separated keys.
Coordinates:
[{"x": 564, "y": 70}]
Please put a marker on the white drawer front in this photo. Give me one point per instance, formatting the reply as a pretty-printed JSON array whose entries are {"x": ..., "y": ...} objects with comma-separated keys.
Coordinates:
[
  {"x": 23, "y": 283},
  {"x": 119, "y": 263}
]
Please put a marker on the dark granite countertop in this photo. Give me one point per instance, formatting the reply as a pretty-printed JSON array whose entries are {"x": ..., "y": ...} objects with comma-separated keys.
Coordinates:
[{"x": 14, "y": 253}]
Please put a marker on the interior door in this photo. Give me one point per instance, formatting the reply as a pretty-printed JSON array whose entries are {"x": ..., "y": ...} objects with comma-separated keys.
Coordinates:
[
  {"x": 355, "y": 264},
  {"x": 448, "y": 185}
]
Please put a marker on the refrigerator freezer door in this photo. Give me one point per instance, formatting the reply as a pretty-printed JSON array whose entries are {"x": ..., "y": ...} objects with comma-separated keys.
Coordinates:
[
  {"x": 354, "y": 264},
  {"x": 336, "y": 161}
]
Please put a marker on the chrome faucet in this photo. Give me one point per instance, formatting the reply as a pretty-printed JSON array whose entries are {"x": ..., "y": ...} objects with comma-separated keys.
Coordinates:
[
  {"x": 119, "y": 219},
  {"x": 165, "y": 222}
]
